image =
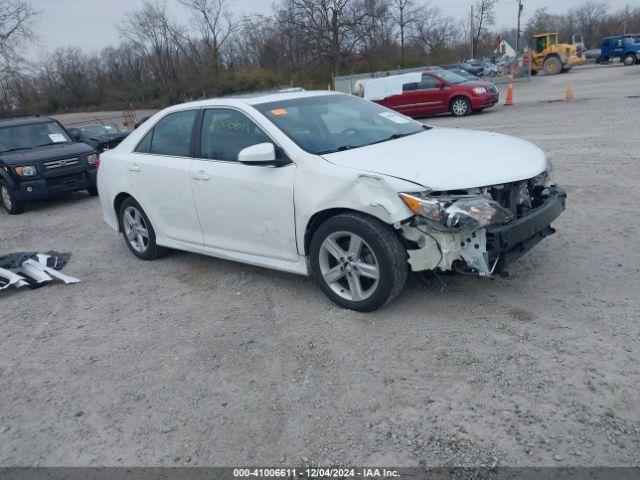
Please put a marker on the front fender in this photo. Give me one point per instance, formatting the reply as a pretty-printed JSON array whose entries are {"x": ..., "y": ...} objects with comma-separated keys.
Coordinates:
[
  {"x": 359, "y": 191},
  {"x": 11, "y": 183}
]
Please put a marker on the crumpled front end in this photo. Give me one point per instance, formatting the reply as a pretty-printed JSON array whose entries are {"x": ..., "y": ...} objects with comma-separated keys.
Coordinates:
[{"x": 482, "y": 230}]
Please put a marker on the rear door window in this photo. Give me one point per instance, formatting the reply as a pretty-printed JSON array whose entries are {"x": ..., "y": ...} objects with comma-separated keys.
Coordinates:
[{"x": 171, "y": 136}]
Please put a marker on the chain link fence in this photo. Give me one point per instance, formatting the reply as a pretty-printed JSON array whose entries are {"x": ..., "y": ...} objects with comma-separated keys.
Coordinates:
[
  {"x": 496, "y": 70},
  {"x": 125, "y": 120}
]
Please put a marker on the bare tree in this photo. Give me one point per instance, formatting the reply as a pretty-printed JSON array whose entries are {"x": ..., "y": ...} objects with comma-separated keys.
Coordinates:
[
  {"x": 483, "y": 18},
  {"x": 216, "y": 25},
  {"x": 435, "y": 33},
  {"x": 151, "y": 30},
  {"x": 587, "y": 17},
  {"x": 334, "y": 26},
  {"x": 16, "y": 21},
  {"x": 405, "y": 14}
]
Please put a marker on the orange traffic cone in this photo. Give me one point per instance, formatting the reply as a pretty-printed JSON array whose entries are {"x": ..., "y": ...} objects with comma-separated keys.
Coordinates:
[
  {"x": 509, "y": 100},
  {"x": 569, "y": 96}
]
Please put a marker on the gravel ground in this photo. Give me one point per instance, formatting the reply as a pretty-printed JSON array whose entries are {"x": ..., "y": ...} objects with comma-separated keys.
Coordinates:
[{"x": 191, "y": 360}]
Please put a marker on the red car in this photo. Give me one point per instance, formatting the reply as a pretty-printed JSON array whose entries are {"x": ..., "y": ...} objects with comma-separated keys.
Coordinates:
[{"x": 432, "y": 92}]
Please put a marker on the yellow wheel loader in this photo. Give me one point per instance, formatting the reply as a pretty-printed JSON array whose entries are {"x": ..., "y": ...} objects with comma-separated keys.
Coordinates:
[{"x": 551, "y": 57}]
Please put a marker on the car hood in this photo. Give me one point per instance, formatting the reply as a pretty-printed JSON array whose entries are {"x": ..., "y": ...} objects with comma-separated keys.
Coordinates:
[
  {"x": 448, "y": 159},
  {"x": 48, "y": 152}
]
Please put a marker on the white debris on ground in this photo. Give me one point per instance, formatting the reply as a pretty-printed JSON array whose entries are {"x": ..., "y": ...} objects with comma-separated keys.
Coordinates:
[{"x": 31, "y": 269}]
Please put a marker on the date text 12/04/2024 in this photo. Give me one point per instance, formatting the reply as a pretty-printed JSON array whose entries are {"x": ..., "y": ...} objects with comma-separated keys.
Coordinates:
[{"x": 315, "y": 472}]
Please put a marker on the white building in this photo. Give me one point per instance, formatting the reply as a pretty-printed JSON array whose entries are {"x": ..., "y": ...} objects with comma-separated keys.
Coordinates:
[{"x": 506, "y": 49}]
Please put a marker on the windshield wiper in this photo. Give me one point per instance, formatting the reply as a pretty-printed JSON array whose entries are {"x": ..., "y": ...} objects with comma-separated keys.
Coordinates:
[
  {"x": 51, "y": 143},
  {"x": 395, "y": 136},
  {"x": 341, "y": 148}
]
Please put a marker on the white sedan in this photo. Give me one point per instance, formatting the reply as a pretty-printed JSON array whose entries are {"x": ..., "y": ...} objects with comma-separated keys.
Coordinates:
[{"x": 330, "y": 185}]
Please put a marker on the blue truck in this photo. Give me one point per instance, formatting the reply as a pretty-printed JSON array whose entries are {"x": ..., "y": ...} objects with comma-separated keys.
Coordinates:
[{"x": 624, "y": 47}]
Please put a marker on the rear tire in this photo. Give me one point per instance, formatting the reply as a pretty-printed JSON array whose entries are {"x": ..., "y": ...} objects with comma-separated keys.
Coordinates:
[
  {"x": 552, "y": 66},
  {"x": 8, "y": 200},
  {"x": 358, "y": 262},
  {"x": 460, "y": 107},
  {"x": 629, "y": 59},
  {"x": 138, "y": 232}
]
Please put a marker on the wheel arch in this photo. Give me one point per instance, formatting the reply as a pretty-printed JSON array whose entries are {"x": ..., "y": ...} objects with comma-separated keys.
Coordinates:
[
  {"x": 117, "y": 203},
  {"x": 460, "y": 95},
  {"x": 4, "y": 176},
  {"x": 552, "y": 55},
  {"x": 318, "y": 218}
]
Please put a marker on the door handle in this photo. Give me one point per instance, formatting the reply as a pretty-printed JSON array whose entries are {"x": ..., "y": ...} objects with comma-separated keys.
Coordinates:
[
  {"x": 200, "y": 176},
  {"x": 134, "y": 168}
]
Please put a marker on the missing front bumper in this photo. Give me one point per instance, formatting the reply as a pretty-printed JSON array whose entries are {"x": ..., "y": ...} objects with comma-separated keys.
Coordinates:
[{"x": 485, "y": 251}]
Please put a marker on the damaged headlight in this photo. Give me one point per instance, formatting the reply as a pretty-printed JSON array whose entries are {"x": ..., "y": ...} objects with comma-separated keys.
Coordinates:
[
  {"x": 545, "y": 178},
  {"x": 457, "y": 213},
  {"x": 476, "y": 212}
]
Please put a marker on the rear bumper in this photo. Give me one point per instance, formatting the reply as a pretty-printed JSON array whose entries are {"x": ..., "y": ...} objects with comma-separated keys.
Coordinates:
[
  {"x": 46, "y": 188},
  {"x": 507, "y": 243}
]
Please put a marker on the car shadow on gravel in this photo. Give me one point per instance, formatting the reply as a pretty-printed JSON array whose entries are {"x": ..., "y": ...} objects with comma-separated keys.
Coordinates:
[{"x": 56, "y": 203}]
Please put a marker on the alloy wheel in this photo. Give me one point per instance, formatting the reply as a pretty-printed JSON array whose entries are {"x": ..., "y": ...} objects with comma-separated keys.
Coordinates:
[
  {"x": 459, "y": 107},
  {"x": 349, "y": 266},
  {"x": 136, "y": 229}
]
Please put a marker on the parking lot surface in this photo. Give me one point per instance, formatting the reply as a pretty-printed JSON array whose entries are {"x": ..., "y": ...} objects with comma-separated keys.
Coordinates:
[{"x": 190, "y": 360}]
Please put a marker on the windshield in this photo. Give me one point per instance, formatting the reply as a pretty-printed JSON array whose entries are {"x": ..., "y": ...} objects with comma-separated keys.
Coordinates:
[
  {"x": 459, "y": 71},
  {"x": 331, "y": 123},
  {"x": 451, "y": 77},
  {"x": 33, "y": 135},
  {"x": 99, "y": 130}
]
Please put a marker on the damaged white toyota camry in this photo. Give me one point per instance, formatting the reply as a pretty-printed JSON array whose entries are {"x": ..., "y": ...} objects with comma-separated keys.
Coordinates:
[{"x": 330, "y": 185}]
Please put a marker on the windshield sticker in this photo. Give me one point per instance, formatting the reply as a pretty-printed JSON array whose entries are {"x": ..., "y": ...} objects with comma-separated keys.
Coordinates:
[
  {"x": 395, "y": 118},
  {"x": 279, "y": 111},
  {"x": 57, "y": 137}
]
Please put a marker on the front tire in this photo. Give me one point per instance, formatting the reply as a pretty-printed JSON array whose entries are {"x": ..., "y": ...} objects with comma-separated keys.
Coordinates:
[
  {"x": 8, "y": 200},
  {"x": 629, "y": 59},
  {"x": 552, "y": 66},
  {"x": 358, "y": 262},
  {"x": 460, "y": 107},
  {"x": 138, "y": 232}
]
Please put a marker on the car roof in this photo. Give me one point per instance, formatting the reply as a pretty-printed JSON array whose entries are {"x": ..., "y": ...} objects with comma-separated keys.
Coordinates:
[
  {"x": 17, "y": 121},
  {"x": 253, "y": 99},
  {"x": 622, "y": 36}
]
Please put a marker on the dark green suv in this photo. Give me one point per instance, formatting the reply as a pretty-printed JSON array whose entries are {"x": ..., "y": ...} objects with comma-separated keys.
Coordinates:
[{"x": 38, "y": 160}]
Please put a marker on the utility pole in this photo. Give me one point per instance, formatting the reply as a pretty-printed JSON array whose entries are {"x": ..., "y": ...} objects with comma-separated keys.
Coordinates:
[
  {"x": 518, "y": 32},
  {"x": 471, "y": 29},
  {"x": 626, "y": 16}
]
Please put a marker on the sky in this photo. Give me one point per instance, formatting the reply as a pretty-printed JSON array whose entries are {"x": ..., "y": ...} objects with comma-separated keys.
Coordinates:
[{"x": 92, "y": 24}]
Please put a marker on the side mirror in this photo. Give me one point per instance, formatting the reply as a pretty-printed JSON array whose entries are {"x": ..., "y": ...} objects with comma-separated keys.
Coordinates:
[
  {"x": 260, "y": 154},
  {"x": 440, "y": 85}
]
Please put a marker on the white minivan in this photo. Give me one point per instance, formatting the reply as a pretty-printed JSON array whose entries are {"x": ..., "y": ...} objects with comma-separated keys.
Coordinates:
[{"x": 329, "y": 185}]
